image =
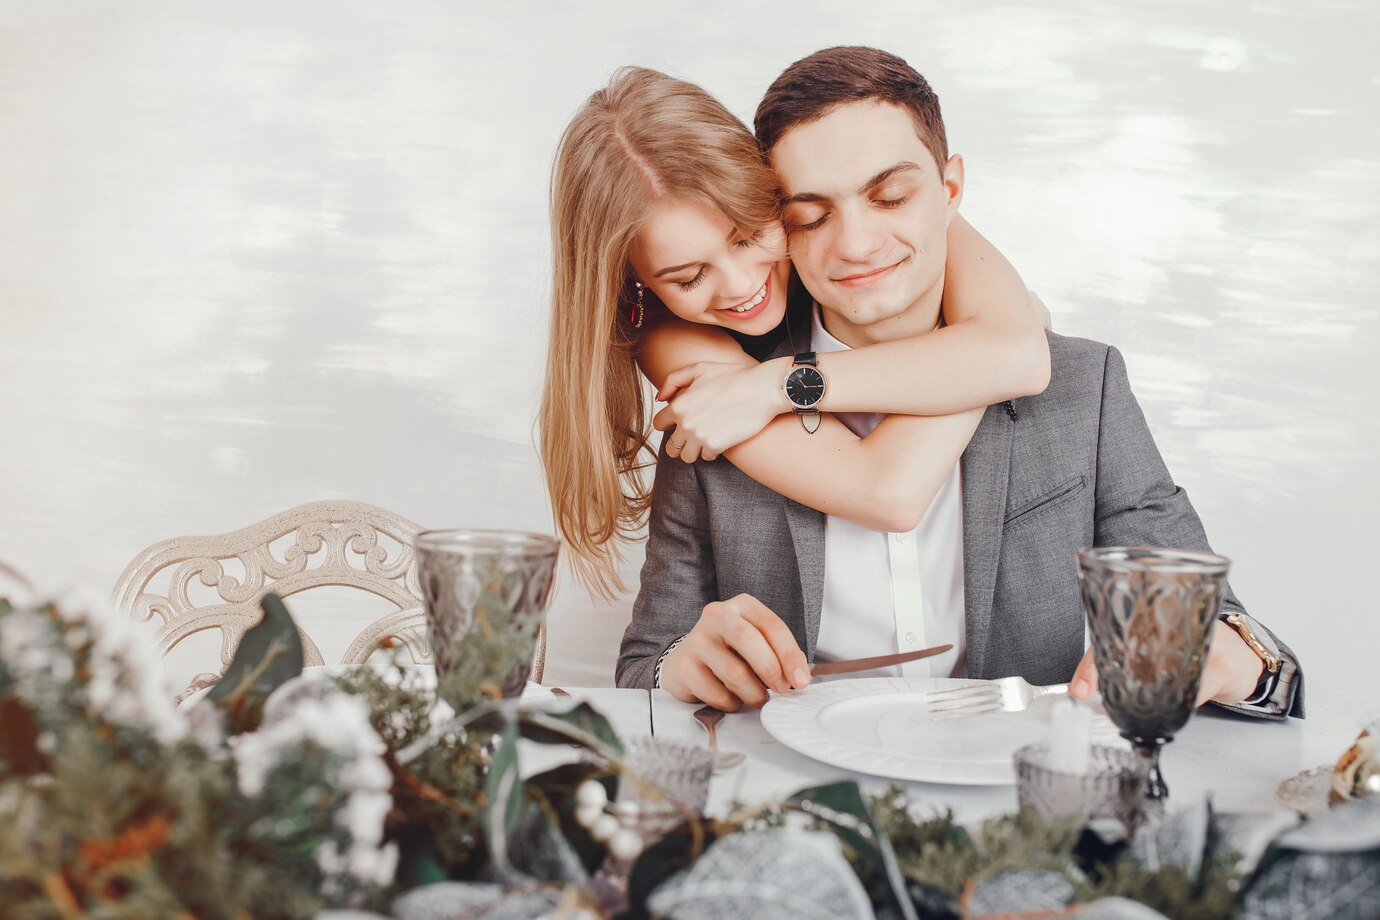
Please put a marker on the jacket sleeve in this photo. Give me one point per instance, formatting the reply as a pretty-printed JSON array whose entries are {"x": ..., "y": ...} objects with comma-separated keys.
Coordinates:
[
  {"x": 1138, "y": 504},
  {"x": 678, "y": 576}
]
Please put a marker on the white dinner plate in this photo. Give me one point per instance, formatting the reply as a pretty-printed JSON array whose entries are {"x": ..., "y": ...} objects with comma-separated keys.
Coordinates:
[{"x": 881, "y": 726}]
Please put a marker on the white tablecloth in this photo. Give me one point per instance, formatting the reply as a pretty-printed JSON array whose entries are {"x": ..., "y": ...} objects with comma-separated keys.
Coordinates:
[{"x": 1238, "y": 762}]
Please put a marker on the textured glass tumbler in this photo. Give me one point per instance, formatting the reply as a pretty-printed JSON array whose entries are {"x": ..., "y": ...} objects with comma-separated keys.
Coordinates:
[
  {"x": 1113, "y": 787},
  {"x": 1150, "y": 612},
  {"x": 477, "y": 581}
]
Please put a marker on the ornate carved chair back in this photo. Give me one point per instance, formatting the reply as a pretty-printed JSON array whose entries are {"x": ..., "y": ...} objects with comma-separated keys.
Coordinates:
[{"x": 334, "y": 543}]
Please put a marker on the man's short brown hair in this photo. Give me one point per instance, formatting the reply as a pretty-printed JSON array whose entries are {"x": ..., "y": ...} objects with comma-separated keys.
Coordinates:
[{"x": 814, "y": 86}]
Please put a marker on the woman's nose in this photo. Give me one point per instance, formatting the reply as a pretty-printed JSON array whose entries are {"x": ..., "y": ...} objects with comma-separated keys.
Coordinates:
[{"x": 743, "y": 280}]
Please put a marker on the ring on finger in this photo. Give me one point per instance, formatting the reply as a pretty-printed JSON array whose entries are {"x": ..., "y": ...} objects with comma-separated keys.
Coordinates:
[{"x": 674, "y": 447}]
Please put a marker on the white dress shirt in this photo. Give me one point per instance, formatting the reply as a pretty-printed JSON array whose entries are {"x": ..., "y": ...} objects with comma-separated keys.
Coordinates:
[{"x": 893, "y": 592}]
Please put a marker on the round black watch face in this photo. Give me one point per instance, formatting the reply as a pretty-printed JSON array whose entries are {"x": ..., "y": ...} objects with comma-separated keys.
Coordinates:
[{"x": 804, "y": 386}]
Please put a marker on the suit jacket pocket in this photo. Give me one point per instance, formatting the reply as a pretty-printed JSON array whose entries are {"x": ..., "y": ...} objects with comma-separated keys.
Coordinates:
[{"x": 1064, "y": 492}]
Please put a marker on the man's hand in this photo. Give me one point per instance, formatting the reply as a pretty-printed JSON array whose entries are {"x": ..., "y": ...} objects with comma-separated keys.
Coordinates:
[
  {"x": 715, "y": 406},
  {"x": 1229, "y": 676},
  {"x": 736, "y": 651}
]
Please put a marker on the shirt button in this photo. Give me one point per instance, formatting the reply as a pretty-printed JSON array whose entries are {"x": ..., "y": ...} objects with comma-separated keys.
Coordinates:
[
  {"x": 899, "y": 538},
  {"x": 910, "y": 637}
]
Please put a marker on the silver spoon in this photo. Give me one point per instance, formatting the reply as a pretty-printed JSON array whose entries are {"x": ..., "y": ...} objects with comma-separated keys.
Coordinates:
[{"x": 710, "y": 717}]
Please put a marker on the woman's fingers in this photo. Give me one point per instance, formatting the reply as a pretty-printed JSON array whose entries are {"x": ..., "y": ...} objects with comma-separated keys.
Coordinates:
[
  {"x": 665, "y": 419},
  {"x": 677, "y": 380}
]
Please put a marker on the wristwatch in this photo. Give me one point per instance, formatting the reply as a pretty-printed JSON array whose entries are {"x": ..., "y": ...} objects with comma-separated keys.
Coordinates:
[
  {"x": 804, "y": 387},
  {"x": 1260, "y": 643}
]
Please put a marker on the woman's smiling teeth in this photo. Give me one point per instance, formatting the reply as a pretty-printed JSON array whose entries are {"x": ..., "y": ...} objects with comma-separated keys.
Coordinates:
[{"x": 756, "y": 299}]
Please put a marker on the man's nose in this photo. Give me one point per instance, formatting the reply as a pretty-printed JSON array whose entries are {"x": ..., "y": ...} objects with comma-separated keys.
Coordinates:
[{"x": 856, "y": 237}]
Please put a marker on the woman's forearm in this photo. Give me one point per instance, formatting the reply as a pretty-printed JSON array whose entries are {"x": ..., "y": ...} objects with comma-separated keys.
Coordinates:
[
  {"x": 952, "y": 369},
  {"x": 884, "y": 482},
  {"x": 991, "y": 346}
]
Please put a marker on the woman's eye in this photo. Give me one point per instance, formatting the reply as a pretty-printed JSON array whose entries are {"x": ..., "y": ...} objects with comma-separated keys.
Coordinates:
[
  {"x": 692, "y": 283},
  {"x": 744, "y": 244}
]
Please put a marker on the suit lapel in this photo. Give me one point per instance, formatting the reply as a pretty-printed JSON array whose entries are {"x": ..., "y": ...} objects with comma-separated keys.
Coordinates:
[
  {"x": 986, "y": 469},
  {"x": 807, "y": 533}
]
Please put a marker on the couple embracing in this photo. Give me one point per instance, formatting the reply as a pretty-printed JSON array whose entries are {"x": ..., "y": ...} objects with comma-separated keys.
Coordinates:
[{"x": 872, "y": 444}]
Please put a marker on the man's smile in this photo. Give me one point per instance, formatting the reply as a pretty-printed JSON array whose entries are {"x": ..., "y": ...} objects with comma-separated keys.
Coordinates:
[{"x": 863, "y": 279}]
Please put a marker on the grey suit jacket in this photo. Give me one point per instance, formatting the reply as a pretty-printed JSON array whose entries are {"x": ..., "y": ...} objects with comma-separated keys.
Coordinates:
[{"x": 1076, "y": 468}]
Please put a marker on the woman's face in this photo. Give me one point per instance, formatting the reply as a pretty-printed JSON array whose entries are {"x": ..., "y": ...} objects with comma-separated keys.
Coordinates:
[{"x": 698, "y": 265}]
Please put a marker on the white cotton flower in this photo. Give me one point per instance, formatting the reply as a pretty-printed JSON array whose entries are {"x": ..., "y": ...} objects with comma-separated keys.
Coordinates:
[
  {"x": 441, "y": 713},
  {"x": 25, "y": 642},
  {"x": 339, "y": 724},
  {"x": 127, "y": 684},
  {"x": 124, "y": 682}
]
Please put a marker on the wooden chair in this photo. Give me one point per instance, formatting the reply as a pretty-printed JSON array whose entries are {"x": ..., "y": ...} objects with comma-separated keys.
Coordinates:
[{"x": 343, "y": 535}]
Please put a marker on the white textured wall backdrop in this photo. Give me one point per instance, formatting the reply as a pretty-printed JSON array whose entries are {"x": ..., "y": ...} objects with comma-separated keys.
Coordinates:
[{"x": 259, "y": 253}]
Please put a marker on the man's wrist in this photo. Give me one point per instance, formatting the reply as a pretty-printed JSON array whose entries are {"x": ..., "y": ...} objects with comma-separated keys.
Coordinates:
[{"x": 661, "y": 660}]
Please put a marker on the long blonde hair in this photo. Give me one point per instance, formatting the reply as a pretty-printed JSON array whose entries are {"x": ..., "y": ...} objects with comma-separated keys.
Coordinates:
[{"x": 644, "y": 138}]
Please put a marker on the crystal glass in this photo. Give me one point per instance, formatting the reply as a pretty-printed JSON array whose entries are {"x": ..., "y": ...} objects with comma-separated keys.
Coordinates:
[
  {"x": 1113, "y": 787},
  {"x": 1150, "y": 612},
  {"x": 481, "y": 580}
]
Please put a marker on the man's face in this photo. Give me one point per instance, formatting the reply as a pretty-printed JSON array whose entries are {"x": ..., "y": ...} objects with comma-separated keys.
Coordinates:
[{"x": 867, "y": 213}]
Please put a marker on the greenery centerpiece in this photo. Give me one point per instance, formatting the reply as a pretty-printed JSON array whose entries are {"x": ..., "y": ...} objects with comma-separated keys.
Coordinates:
[{"x": 284, "y": 795}]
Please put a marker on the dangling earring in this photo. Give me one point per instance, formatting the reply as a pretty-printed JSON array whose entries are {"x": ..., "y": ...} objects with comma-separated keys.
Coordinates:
[{"x": 637, "y": 313}]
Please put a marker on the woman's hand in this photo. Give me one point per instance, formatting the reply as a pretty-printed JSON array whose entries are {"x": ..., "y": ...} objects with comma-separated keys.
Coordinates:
[
  {"x": 1041, "y": 311},
  {"x": 714, "y": 406}
]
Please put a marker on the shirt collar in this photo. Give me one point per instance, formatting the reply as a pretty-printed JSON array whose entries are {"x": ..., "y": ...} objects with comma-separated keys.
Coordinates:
[{"x": 820, "y": 339}]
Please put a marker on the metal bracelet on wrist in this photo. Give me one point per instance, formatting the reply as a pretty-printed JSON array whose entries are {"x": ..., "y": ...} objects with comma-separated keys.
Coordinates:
[{"x": 656, "y": 674}]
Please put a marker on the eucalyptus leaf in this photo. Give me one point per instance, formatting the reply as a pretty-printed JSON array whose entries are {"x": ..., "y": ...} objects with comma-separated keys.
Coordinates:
[
  {"x": 846, "y": 813},
  {"x": 270, "y": 654},
  {"x": 663, "y": 859},
  {"x": 1314, "y": 886},
  {"x": 772, "y": 875},
  {"x": 419, "y": 859},
  {"x": 538, "y": 850},
  {"x": 536, "y": 725},
  {"x": 557, "y": 787}
]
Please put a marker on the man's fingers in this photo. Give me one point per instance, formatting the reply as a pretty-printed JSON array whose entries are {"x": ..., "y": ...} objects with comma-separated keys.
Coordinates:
[
  {"x": 1084, "y": 682},
  {"x": 748, "y": 642},
  {"x": 689, "y": 679},
  {"x": 795, "y": 668},
  {"x": 737, "y": 676}
]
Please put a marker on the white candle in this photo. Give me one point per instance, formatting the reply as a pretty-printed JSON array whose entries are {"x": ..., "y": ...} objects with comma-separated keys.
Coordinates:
[{"x": 1070, "y": 731}]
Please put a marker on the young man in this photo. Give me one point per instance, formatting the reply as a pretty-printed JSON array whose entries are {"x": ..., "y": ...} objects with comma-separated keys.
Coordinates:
[{"x": 742, "y": 587}]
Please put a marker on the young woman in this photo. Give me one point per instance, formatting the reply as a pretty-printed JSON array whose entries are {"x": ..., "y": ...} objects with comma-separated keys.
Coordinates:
[{"x": 666, "y": 225}]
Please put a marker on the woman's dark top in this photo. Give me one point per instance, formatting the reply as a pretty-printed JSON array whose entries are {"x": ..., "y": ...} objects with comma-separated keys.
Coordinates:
[{"x": 795, "y": 324}]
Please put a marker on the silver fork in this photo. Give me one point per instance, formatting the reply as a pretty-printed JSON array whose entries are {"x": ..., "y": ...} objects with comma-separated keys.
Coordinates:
[{"x": 1008, "y": 694}]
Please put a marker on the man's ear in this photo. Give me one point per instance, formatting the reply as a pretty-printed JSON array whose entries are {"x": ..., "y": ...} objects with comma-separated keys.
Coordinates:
[{"x": 953, "y": 183}]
